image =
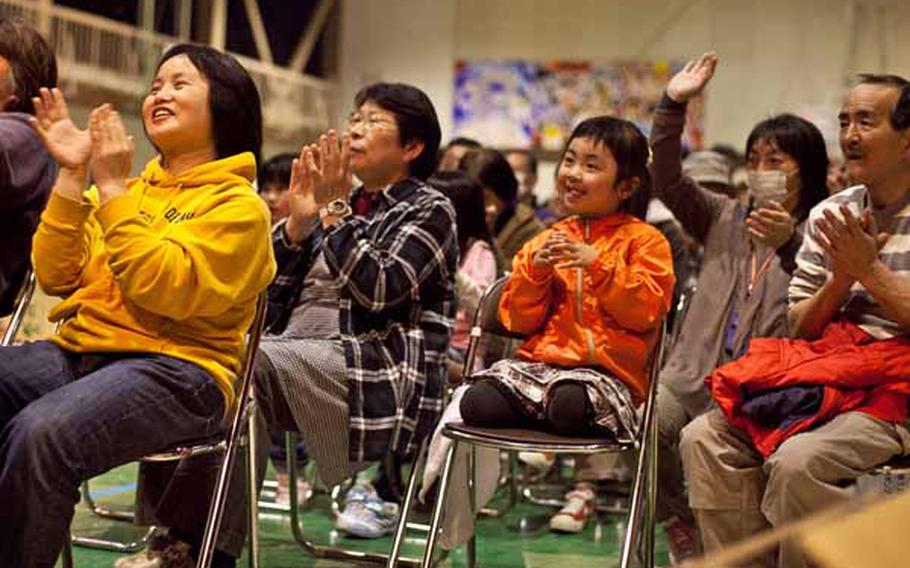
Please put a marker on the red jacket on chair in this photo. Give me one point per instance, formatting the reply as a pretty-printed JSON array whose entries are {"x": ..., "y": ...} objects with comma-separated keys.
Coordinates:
[{"x": 855, "y": 371}]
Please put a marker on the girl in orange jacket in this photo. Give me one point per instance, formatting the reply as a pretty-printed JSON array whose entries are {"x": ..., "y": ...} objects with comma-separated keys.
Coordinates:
[{"x": 590, "y": 294}]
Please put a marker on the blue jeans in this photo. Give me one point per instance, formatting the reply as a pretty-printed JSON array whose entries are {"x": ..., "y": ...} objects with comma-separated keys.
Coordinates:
[{"x": 67, "y": 417}]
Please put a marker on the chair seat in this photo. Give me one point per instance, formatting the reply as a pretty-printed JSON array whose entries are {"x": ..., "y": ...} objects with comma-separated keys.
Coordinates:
[
  {"x": 529, "y": 440},
  {"x": 189, "y": 449}
]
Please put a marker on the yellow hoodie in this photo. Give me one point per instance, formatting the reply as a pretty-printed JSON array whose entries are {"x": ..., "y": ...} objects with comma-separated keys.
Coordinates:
[{"x": 173, "y": 266}]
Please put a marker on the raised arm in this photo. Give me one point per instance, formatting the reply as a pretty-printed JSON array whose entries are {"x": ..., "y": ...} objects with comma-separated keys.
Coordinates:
[{"x": 694, "y": 207}]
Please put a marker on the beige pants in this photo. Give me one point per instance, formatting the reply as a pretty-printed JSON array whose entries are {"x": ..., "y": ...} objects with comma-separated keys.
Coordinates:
[{"x": 735, "y": 494}]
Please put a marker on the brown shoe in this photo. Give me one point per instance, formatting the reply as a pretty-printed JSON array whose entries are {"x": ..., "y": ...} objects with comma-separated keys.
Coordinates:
[{"x": 161, "y": 551}]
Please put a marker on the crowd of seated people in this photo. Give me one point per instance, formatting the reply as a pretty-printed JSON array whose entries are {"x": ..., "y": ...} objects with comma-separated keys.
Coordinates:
[{"x": 787, "y": 380}]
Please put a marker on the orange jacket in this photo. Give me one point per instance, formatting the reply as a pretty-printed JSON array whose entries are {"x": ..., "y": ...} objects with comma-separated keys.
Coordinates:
[{"x": 606, "y": 315}]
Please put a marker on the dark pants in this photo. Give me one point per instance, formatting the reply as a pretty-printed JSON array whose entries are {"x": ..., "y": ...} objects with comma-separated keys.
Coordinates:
[
  {"x": 177, "y": 495},
  {"x": 279, "y": 452},
  {"x": 65, "y": 418}
]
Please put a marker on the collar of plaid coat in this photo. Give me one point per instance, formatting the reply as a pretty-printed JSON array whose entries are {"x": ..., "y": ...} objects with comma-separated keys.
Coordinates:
[{"x": 397, "y": 275}]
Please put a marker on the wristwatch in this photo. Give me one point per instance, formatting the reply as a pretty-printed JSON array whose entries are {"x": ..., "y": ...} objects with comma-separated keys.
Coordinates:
[{"x": 336, "y": 208}]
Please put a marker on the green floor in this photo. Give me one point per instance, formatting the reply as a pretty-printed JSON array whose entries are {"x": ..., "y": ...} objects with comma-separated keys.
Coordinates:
[{"x": 518, "y": 539}]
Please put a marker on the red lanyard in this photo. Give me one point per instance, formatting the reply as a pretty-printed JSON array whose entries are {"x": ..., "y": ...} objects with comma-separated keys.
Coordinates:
[{"x": 758, "y": 272}]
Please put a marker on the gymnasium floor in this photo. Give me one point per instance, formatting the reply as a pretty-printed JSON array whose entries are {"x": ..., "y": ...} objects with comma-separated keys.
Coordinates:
[{"x": 501, "y": 542}]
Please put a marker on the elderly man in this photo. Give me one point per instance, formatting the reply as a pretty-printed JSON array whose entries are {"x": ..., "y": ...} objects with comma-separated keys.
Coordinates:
[{"x": 800, "y": 419}]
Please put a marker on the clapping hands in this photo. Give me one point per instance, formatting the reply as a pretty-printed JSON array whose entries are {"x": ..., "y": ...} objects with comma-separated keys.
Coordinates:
[
  {"x": 69, "y": 145},
  {"x": 104, "y": 145},
  {"x": 319, "y": 175},
  {"x": 771, "y": 225},
  {"x": 851, "y": 244},
  {"x": 562, "y": 252},
  {"x": 112, "y": 151}
]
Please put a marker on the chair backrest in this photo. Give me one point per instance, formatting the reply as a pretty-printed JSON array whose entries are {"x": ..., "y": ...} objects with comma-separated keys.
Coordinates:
[
  {"x": 254, "y": 335},
  {"x": 22, "y": 301},
  {"x": 487, "y": 330}
]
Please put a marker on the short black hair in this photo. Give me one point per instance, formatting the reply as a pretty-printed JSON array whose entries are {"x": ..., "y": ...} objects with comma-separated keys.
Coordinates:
[
  {"x": 415, "y": 117},
  {"x": 275, "y": 170},
  {"x": 233, "y": 99},
  {"x": 900, "y": 116},
  {"x": 802, "y": 141},
  {"x": 529, "y": 155},
  {"x": 466, "y": 195},
  {"x": 735, "y": 157},
  {"x": 630, "y": 150},
  {"x": 464, "y": 141},
  {"x": 31, "y": 61},
  {"x": 491, "y": 169},
  {"x": 886, "y": 80},
  {"x": 883, "y": 79}
]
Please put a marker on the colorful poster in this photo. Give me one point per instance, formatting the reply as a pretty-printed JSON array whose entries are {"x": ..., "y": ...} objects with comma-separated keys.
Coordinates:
[{"x": 523, "y": 104}]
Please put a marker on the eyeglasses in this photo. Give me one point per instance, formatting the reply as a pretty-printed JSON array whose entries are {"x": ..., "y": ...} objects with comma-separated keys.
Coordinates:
[{"x": 369, "y": 122}]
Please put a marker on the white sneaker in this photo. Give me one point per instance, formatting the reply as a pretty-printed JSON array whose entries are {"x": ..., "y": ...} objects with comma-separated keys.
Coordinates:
[
  {"x": 537, "y": 461},
  {"x": 579, "y": 507},
  {"x": 283, "y": 491},
  {"x": 365, "y": 515}
]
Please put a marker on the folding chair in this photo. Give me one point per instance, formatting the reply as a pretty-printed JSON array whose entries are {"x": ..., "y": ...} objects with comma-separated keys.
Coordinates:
[
  {"x": 22, "y": 301},
  {"x": 643, "y": 500},
  {"x": 227, "y": 444}
]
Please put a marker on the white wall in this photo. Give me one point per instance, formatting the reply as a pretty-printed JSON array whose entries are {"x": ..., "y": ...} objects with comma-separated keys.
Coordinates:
[
  {"x": 410, "y": 41},
  {"x": 776, "y": 55}
]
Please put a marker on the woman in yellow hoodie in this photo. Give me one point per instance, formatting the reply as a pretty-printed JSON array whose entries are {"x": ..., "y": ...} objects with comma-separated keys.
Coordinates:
[{"x": 159, "y": 277}]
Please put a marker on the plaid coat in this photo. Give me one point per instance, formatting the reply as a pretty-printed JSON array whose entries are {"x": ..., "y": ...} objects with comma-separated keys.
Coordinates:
[{"x": 397, "y": 270}]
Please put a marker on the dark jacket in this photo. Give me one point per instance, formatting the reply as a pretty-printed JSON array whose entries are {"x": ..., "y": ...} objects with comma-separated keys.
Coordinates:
[
  {"x": 397, "y": 270},
  {"x": 27, "y": 175}
]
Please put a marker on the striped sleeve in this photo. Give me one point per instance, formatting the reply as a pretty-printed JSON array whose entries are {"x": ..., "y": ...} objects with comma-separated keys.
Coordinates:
[{"x": 812, "y": 266}]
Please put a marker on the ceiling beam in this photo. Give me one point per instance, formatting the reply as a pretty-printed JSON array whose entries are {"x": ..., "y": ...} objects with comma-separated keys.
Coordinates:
[
  {"x": 258, "y": 28},
  {"x": 311, "y": 35}
]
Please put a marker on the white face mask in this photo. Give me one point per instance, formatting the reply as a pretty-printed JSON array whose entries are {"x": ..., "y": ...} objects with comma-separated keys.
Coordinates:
[{"x": 766, "y": 186}]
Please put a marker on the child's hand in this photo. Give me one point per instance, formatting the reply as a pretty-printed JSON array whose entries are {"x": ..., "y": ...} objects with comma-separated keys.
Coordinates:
[
  {"x": 572, "y": 254},
  {"x": 546, "y": 255}
]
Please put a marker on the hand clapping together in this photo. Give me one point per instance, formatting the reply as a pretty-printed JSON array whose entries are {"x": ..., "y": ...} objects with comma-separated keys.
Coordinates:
[{"x": 104, "y": 146}]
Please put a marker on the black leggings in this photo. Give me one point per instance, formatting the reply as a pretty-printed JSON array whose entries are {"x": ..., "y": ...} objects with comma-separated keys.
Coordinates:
[{"x": 569, "y": 411}]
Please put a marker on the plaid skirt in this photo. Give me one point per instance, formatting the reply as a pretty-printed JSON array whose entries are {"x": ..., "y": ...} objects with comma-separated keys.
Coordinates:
[{"x": 530, "y": 384}]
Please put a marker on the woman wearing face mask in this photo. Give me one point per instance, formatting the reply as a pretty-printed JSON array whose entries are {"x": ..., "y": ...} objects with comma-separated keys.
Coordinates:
[{"x": 749, "y": 251}]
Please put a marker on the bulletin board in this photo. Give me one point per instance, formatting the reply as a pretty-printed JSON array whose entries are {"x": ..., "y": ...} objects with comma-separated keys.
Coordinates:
[{"x": 535, "y": 105}]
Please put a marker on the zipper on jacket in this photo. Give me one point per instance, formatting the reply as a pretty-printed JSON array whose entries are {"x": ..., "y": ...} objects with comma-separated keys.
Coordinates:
[{"x": 579, "y": 293}]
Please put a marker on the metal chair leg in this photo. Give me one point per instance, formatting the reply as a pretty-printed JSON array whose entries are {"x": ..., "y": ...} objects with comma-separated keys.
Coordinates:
[
  {"x": 320, "y": 551},
  {"x": 628, "y": 545},
  {"x": 220, "y": 494},
  {"x": 252, "y": 497},
  {"x": 106, "y": 513},
  {"x": 402, "y": 527},
  {"x": 290, "y": 443},
  {"x": 439, "y": 507},
  {"x": 472, "y": 501},
  {"x": 66, "y": 555},
  {"x": 651, "y": 496},
  {"x": 103, "y": 511}
]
